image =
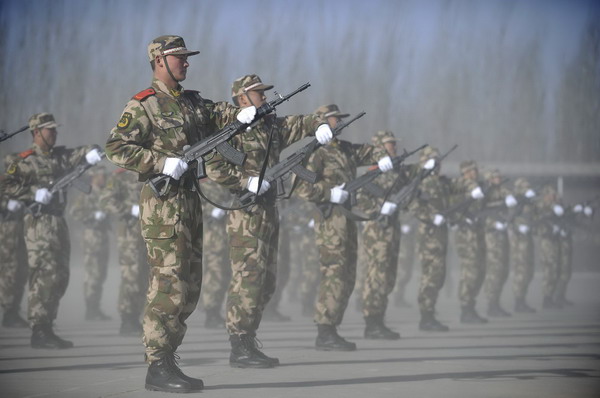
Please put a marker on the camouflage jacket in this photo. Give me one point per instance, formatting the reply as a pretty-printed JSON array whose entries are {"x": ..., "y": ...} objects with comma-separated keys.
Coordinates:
[
  {"x": 462, "y": 188},
  {"x": 83, "y": 208},
  {"x": 547, "y": 223},
  {"x": 434, "y": 198},
  {"x": 121, "y": 193},
  {"x": 495, "y": 207},
  {"x": 391, "y": 182},
  {"x": 34, "y": 169},
  {"x": 157, "y": 123}
]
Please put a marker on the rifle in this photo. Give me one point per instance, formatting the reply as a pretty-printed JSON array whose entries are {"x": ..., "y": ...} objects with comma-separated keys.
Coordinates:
[
  {"x": 463, "y": 206},
  {"x": 405, "y": 195},
  {"x": 293, "y": 163},
  {"x": 194, "y": 154},
  {"x": 4, "y": 136},
  {"x": 68, "y": 179}
]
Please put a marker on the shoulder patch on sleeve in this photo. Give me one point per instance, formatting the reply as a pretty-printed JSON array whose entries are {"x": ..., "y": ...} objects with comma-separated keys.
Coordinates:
[
  {"x": 26, "y": 153},
  {"x": 124, "y": 121},
  {"x": 12, "y": 168},
  {"x": 142, "y": 95}
]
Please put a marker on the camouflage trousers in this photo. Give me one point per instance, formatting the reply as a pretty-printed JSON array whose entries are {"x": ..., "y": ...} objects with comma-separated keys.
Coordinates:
[
  {"x": 497, "y": 266},
  {"x": 381, "y": 240},
  {"x": 550, "y": 255},
  {"x": 306, "y": 249},
  {"x": 283, "y": 268},
  {"x": 13, "y": 266},
  {"x": 406, "y": 262},
  {"x": 522, "y": 260},
  {"x": 565, "y": 268},
  {"x": 48, "y": 252},
  {"x": 253, "y": 240},
  {"x": 433, "y": 247},
  {"x": 96, "y": 251},
  {"x": 336, "y": 238},
  {"x": 172, "y": 229},
  {"x": 134, "y": 270},
  {"x": 470, "y": 248},
  {"x": 217, "y": 271}
]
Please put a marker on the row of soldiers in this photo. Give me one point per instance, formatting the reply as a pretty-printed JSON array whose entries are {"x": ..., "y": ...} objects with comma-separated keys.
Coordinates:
[{"x": 150, "y": 139}]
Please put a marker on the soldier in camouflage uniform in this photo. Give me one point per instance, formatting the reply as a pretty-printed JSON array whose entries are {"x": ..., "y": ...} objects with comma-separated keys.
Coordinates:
[
  {"x": 521, "y": 244},
  {"x": 336, "y": 234},
  {"x": 432, "y": 236},
  {"x": 120, "y": 198},
  {"x": 253, "y": 232},
  {"x": 406, "y": 261},
  {"x": 149, "y": 138},
  {"x": 565, "y": 267},
  {"x": 86, "y": 208},
  {"x": 46, "y": 231},
  {"x": 381, "y": 242},
  {"x": 499, "y": 200},
  {"x": 13, "y": 253},
  {"x": 470, "y": 242},
  {"x": 307, "y": 253},
  {"x": 217, "y": 272}
]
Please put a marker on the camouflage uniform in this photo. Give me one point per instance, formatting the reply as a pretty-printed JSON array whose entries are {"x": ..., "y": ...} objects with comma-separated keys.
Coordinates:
[
  {"x": 565, "y": 268},
  {"x": 155, "y": 125},
  {"x": 406, "y": 261},
  {"x": 119, "y": 198},
  {"x": 96, "y": 248}
]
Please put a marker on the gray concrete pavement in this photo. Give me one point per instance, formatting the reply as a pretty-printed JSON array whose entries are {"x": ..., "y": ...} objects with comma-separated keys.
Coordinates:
[{"x": 554, "y": 353}]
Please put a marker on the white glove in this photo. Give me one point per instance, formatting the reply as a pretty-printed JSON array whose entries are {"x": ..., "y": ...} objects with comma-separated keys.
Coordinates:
[
  {"x": 430, "y": 164},
  {"x": 500, "y": 226},
  {"x": 388, "y": 208},
  {"x": 13, "y": 205},
  {"x": 578, "y": 208},
  {"x": 217, "y": 213},
  {"x": 246, "y": 115},
  {"x": 405, "y": 228},
  {"x": 135, "y": 210},
  {"x": 558, "y": 210},
  {"x": 563, "y": 233},
  {"x": 311, "y": 223},
  {"x": 530, "y": 193},
  {"x": 174, "y": 168},
  {"x": 324, "y": 134},
  {"x": 43, "y": 196},
  {"x": 99, "y": 215},
  {"x": 385, "y": 164},
  {"x": 253, "y": 186},
  {"x": 555, "y": 229},
  {"x": 477, "y": 193},
  {"x": 438, "y": 220},
  {"x": 93, "y": 157},
  {"x": 588, "y": 211},
  {"x": 510, "y": 201},
  {"x": 338, "y": 195},
  {"x": 523, "y": 229}
]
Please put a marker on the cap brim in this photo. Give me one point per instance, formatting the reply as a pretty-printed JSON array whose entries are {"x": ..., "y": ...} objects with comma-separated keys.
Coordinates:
[
  {"x": 185, "y": 52},
  {"x": 264, "y": 87},
  {"x": 49, "y": 125}
]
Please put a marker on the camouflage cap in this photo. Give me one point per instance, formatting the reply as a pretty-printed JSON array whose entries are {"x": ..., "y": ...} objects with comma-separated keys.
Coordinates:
[
  {"x": 492, "y": 174},
  {"x": 467, "y": 165},
  {"x": 168, "y": 45},
  {"x": 41, "y": 120},
  {"x": 247, "y": 83},
  {"x": 330, "y": 110},
  {"x": 521, "y": 186},
  {"x": 548, "y": 190},
  {"x": 383, "y": 136},
  {"x": 429, "y": 153}
]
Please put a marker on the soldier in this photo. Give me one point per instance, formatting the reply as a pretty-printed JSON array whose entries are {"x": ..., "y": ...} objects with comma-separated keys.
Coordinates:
[
  {"x": 499, "y": 199},
  {"x": 406, "y": 261},
  {"x": 217, "y": 272},
  {"x": 470, "y": 242},
  {"x": 148, "y": 139},
  {"x": 46, "y": 232},
  {"x": 432, "y": 237},
  {"x": 307, "y": 253},
  {"x": 336, "y": 234},
  {"x": 253, "y": 232},
  {"x": 381, "y": 242},
  {"x": 14, "y": 257},
  {"x": 522, "y": 245},
  {"x": 87, "y": 209},
  {"x": 120, "y": 198},
  {"x": 565, "y": 265}
]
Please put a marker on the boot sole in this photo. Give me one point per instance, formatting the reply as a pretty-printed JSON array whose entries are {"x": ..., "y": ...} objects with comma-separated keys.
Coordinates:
[
  {"x": 257, "y": 366},
  {"x": 150, "y": 387},
  {"x": 334, "y": 349}
]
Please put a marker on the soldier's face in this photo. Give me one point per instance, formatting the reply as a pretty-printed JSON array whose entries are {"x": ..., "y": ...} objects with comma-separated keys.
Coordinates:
[
  {"x": 471, "y": 174},
  {"x": 332, "y": 121},
  {"x": 45, "y": 137},
  {"x": 178, "y": 65},
  {"x": 390, "y": 147},
  {"x": 256, "y": 97}
]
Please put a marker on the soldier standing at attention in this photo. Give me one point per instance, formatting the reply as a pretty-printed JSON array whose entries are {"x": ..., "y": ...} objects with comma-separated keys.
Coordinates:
[
  {"x": 46, "y": 233},
  {"x": 253, "y": 232},
  {"x": 336, "y": 234},
  {"x": 149, "y": 138}
]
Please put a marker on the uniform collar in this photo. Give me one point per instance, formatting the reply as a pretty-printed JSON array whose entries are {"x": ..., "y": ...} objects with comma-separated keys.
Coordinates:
[
  {"x": 162, "y": 87},
  {"x": 38, "y": 151}
]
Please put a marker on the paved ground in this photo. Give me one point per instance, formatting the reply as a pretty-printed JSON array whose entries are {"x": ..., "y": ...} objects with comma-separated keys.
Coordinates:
[{"x": 548, "y": 354}]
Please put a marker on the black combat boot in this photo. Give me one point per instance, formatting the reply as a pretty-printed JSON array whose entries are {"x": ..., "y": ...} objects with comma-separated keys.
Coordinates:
[
  {"x": 470, "y": 316},
  {"x": 164, "y": 375},
  {"x": 43, "y": 336},
  {"x": 564, "y": 302},
  {"x": 94, "y": 313},
  {"x": 214, "y": 320},
  {"x": 496, "y": 311},
  {"x": 130, "y": 326},
  {"x": 549, "y": 303},
  {"x": 430, "y": 324},
  {"x": 245, "y": 354},
  {"x": 12, "y": 319},
  {"x": 521, "y": 306},
  {"x": 329, "y": 340},
  {"x": 375, "y": 329}
]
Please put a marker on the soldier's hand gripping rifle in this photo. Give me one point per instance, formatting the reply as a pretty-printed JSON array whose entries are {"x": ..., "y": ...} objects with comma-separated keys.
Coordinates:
[
  {"x": 193, "y": 155},
  {"x": 61, "y": 184},
  {"x": 293, "y": 163},
  {"x": 463, "y": 206},
  {"x": 4, "y": 136}
]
